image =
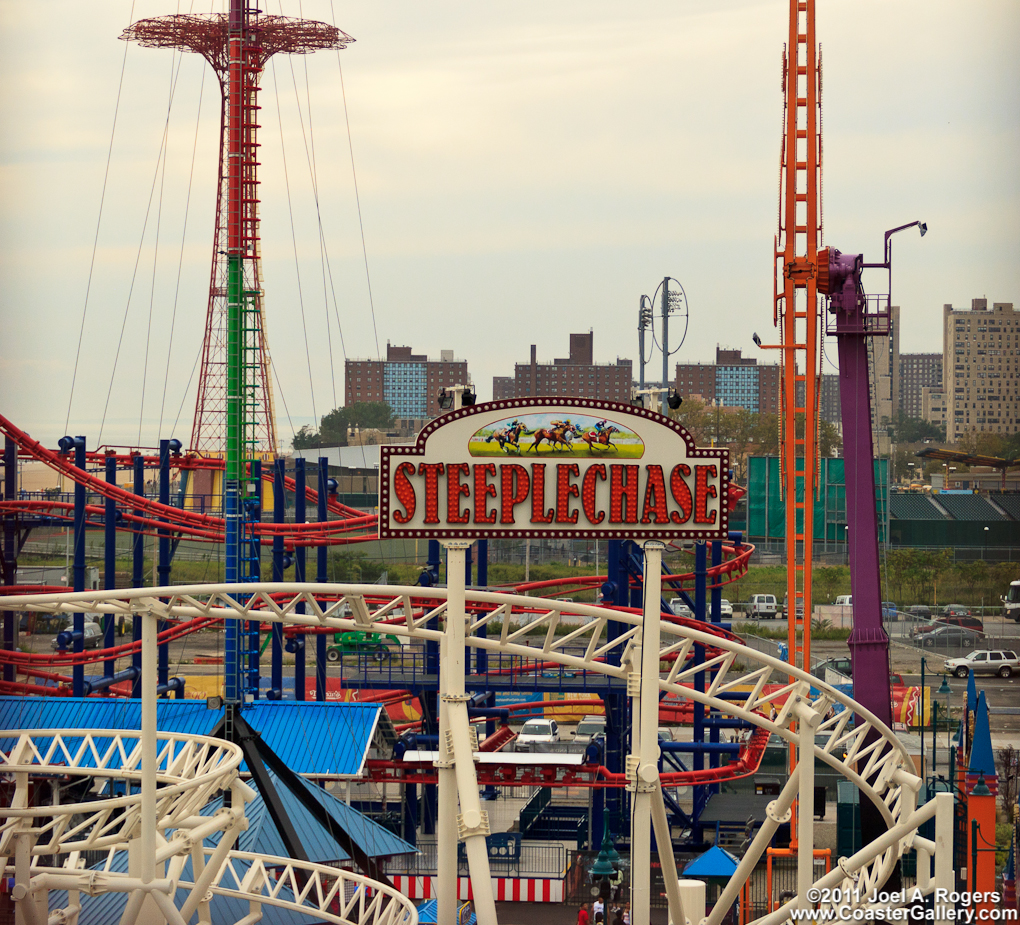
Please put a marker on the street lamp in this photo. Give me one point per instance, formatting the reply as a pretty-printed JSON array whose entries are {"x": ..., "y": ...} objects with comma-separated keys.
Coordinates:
[{"x": 944, "y": 691}]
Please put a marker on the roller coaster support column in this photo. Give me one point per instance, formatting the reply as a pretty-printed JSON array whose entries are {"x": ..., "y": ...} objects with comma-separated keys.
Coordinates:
[
  {"x": 110, "y": 561},
  {"x": 300, "y": 568},
  {"x": 137, "y": 576},
  {"x": 163, "y": 566},
  {"x": 279, "y": 515},
  {"x": 716, "y": 618},
  {"x": 10, "y": 550},
  {"x": 777, "y": 813},
  {"x": 700, "y": 600},
  {"x": 78, "y": 626},
  {"x": 807, "y": 720},
  {"x": 456, "y": 767},
  {"x": 643, "y": 762},
  {"x": 616, "y": 590},
  {"x": 320, "y": 575}
]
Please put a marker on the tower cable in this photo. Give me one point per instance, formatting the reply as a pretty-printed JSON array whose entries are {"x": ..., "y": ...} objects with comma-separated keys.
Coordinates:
[{"x": 99, "y": 221}]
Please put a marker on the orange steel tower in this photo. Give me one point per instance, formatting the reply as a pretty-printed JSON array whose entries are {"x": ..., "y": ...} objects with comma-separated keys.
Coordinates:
[
  {"x": 796, "y": 312},
  {"x": 237, "y": 45}
]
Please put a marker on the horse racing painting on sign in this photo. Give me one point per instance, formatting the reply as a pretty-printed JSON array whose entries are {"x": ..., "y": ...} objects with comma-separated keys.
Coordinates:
[{"x": 557, "y": 435}]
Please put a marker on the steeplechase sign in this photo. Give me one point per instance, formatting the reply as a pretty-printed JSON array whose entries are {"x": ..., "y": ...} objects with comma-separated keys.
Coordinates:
[{"x": 547, "y": 468}]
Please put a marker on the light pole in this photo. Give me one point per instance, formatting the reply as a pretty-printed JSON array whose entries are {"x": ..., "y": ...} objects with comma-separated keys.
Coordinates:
[{"x": 944, "y": 691}]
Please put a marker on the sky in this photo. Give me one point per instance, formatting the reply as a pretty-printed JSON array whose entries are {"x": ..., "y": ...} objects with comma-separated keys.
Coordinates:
[{"x": 523, "y": 171}]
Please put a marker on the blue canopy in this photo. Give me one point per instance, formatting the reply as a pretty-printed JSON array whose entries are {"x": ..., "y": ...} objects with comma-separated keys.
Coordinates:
[{"x": 716, "y": 862}]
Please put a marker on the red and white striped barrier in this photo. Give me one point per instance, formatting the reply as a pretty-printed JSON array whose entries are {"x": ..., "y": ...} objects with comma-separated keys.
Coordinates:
[{"x": 505, "y": 889}]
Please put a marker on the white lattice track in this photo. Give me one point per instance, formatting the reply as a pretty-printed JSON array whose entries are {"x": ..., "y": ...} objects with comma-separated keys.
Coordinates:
[{"x": 852, "y": 741}]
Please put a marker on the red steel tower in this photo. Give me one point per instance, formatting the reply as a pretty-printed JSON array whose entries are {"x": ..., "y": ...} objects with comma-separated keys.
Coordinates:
[{"x": 237, "y": 45}]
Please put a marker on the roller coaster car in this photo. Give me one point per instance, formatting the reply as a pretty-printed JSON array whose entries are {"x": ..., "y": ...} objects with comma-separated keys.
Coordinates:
[{"x": 357, "y": 642}]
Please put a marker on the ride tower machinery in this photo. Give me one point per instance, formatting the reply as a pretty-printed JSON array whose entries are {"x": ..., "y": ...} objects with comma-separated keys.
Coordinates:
[
  {"x": 234, "y": 409},
  {"x": 796, "y": 314}
]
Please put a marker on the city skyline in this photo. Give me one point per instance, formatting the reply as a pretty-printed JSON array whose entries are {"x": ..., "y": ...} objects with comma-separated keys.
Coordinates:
[{"x": 521, "y": 175}]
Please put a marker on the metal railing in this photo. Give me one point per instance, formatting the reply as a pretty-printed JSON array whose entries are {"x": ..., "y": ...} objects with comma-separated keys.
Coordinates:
[{"x": 537, "y": 859}]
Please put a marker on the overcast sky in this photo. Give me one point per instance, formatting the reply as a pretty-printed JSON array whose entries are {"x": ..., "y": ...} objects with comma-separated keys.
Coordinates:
[{"x": 525, "y": 170}]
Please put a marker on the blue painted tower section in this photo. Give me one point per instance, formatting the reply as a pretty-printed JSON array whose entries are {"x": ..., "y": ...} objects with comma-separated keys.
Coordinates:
[
  {"x": 78, "y": 624},
  {"x": 300, "y": 562},
  {"x": 321, "y": 576},
  {"x": 137, "y": 575},
  {"x": 110, "y": 560},
  {"x": 232, "y": 629}
]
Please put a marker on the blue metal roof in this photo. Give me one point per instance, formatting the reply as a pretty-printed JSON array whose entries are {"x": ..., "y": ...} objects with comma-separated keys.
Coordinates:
[
  {"x": 105, "y": 908},
  {"x": 262, "y": 836},
  {"x": 328, "y": 739}
]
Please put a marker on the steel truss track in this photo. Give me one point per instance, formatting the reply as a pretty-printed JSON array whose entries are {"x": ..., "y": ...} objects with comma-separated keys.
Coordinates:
[{"x": 840, "y": 732}]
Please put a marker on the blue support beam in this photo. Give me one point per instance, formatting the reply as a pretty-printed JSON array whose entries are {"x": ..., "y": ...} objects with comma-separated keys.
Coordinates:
[
  {"x": 300, "y": 562},
  {"x": 279, "y": 517},
  {"x": 78, "y": 620},
  {"x": 321, "y": 576},
  {"x": 110, "y": 563},
  {"x": 137, "y": 574},
  {"x": 10, "y": 550},
  {"x": 163, "y": 564}
]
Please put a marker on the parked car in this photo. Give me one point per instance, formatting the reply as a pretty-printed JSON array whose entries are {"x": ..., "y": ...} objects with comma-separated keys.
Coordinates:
[
  {"x": 680, "y": 609},
  {"x": 591, "y": 727},
  {"x": 845, "y": 600},
  {"x": 537, "y": 732},
  {"x": 725, "y": 608},
  {"x": 889, "y": 611},
  {"x": 356, "y": 642},
  {"x": 964, "y": 620},
  {"x": 93, "y": 637},
  {"x": 842, "y": 665},
  {"x": 762, "y": 606},
  {"x": 919, "y": 612},
  {"x": 1002, "y": 662},
  {"x": 946, "y": 636}
]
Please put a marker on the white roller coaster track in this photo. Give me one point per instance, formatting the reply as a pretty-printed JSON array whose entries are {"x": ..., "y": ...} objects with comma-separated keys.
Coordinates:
[{"x": 852, "y": 740}]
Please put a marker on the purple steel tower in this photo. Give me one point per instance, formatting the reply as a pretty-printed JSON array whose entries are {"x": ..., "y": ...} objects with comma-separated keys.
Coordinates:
[{"x": 839, "y": 277}]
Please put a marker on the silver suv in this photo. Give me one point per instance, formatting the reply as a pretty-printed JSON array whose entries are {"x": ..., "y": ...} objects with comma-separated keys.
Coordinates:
[{"x": 1002, "y": 662}]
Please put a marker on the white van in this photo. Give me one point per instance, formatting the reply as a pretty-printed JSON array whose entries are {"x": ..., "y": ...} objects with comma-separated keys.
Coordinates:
[
  {"x": 845, "y": 600},
  {"x": 762, "y": 606}
]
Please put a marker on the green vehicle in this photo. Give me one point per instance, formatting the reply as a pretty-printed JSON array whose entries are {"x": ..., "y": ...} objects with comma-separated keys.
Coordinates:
[{"x": 356, "y": 642}]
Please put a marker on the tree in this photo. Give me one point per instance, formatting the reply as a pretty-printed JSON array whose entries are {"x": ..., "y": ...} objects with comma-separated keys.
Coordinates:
[{"x": 335, "y": 426}]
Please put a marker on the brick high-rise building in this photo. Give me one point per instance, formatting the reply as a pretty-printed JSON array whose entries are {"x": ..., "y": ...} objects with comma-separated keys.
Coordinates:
[
  {"x": 735, "y": 381},
  {"x": 981, "y": 369},
  {"x": 576, "y": 376},
  {"x": 409, "y": 383},
  {"x": 918, "y": 371},
  {"x": 828, "y": 399}
]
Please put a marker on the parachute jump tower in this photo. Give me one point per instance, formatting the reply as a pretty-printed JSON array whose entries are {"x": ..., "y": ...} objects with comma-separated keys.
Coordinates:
[{"x": 234, "y": 410}]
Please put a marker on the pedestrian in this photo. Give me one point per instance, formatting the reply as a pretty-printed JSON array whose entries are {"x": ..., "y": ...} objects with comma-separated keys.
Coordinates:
[
  {"x": 618, "y": 916},
  {"x": 582, "y": 915},
  {"x": 599, "y": 908}
]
